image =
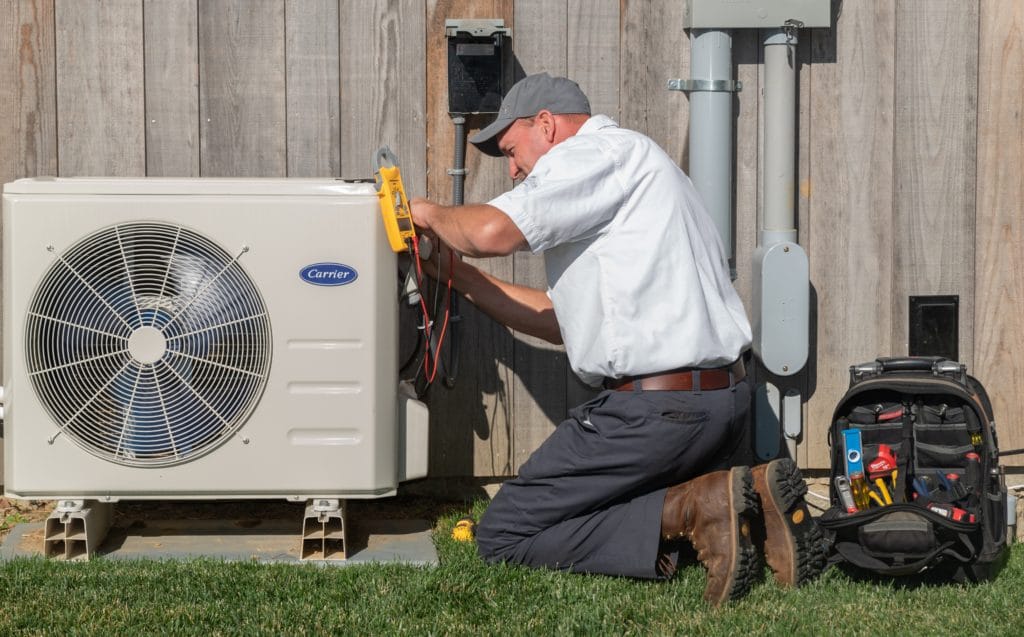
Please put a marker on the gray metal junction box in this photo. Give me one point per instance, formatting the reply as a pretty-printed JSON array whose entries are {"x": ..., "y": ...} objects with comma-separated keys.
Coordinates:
[{"x": 755, "y": 14}]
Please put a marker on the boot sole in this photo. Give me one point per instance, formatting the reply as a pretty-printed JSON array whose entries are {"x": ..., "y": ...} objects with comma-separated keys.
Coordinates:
[
  {"x": 803, "y": 558},
  {"x": 744, "y": 508}
]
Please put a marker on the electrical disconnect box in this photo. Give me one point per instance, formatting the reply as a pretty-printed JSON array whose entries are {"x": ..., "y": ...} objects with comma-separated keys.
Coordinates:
[
  {"x": 479, "y": 65},
  {"x": 756, "y": 14}
]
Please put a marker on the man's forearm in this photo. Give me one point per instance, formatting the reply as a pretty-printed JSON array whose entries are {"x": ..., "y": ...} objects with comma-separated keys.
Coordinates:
[
  {"x": 524, "y": 309},
  {"x": 476, "y": 230}
]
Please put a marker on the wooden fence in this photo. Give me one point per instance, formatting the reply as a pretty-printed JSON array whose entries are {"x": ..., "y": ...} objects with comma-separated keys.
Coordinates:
[{"x": 910, "y": 154}]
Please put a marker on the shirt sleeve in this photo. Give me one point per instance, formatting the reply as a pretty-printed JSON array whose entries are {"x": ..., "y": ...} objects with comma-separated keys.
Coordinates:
[{"x": 572, "y": 192}]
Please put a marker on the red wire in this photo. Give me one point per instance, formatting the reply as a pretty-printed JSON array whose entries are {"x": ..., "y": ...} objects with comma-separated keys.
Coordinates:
[
  {"x": 432, "y": 374},
  {"x": 447, "y": 314}
]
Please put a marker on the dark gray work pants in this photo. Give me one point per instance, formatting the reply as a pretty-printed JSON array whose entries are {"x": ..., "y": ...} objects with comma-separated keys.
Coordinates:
[{"x": 589, "y": 499}]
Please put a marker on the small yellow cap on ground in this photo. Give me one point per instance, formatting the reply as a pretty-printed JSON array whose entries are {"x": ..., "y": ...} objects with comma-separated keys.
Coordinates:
[{"x": 464, "y": 530}]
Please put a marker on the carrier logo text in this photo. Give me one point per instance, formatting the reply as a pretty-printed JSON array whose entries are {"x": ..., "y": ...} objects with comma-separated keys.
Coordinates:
[{"x": 328, "y": 274}]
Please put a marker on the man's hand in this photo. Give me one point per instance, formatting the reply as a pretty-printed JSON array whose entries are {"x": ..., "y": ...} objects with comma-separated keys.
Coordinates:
[{"x": 422, "y": 211}]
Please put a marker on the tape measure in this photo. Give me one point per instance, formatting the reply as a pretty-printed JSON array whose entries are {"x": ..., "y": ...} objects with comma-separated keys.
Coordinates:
[{"x": 394, "y": 205}]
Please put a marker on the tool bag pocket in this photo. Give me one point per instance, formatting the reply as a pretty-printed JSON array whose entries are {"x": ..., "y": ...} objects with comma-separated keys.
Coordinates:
[
  {"x": 901, "y": 539},
  {"x": 902, "y": 532},
  {"x": 880, "y": 423},
  {"x": 950, "y": 459}
]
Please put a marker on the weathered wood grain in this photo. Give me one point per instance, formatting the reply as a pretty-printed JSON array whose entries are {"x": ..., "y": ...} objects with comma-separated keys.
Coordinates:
[
  {"x": 311, "y": 54},
  {"x": 999, "y": 271},
  {"x": 100, "y": 80},
  {"x": 172, "y": 88},
  {"x": 540, "y": 36},
  {"x": 383, "y": 87},
  {"x": 242, "y": 128},
  {"x": 592, "y": 52},
  {"x": 747, "y": 47},
  {"x": 851, "y": 202},
  {"x": 935, "y": 159},
  {"x": 10, "y": 100},
  {"x": 37, "y": 84},
  {"x": 654, "y": 48}
]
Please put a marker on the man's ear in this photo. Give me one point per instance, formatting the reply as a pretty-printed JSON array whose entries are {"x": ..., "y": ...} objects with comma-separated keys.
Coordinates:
[{"x": 547, "y": 123}]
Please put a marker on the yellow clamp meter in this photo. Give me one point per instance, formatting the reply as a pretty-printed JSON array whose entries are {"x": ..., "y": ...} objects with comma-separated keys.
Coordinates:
[{"x": 394, "y": 205}]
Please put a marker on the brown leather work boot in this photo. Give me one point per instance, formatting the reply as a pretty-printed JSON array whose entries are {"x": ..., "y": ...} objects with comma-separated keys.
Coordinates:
[
  {"x": 715, "y": 512},
  {"x": 790, "y": 540}
]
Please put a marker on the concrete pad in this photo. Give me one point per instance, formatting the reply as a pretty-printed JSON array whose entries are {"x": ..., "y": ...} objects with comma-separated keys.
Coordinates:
[{"x": 271, "y": 541}]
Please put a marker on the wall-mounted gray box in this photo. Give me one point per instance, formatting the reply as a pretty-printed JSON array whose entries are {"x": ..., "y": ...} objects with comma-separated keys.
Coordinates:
[
  {"x": 780, "y": 312},
  {"x": 755, "y": 14}
]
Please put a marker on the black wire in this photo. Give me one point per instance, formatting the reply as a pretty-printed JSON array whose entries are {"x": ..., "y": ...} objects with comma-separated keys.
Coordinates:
[
  {"x": 420, "y": 350},
  {"x": 452, "y": 366},
  {"x": 413, "y": 355}
]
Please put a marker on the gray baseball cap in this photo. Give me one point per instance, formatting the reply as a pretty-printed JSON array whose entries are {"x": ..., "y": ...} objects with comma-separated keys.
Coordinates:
[{"x": 529, "y": 96}]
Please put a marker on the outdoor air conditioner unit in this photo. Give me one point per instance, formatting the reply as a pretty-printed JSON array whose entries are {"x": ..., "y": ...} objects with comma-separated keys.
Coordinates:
[{"x": 202, "y": 338}]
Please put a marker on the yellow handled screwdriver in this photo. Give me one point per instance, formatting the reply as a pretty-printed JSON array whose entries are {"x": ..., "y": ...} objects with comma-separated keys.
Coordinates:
[{"x": 880, "y": 483}]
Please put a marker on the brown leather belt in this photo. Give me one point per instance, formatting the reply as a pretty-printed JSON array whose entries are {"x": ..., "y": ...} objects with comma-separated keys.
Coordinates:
[{"x": 682, "y": 379}]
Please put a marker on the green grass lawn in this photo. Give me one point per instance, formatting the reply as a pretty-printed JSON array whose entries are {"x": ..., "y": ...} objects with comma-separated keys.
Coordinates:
[{"x": 464, "y": 596}]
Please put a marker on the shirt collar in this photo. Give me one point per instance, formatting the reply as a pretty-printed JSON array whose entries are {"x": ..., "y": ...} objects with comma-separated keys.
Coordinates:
[{"x": 596, "y": 123}]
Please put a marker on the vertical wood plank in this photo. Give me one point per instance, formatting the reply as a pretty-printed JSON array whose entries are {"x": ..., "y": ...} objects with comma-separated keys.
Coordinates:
[
  {"x": 592, "y": 52},
  {"x": 851, "y": 202},
  {"x": 539, "y": 383},
  {"x": 473, "y": 421},
  {"x": 311, "y": 54},
  {"x": 935, "y": 160},
  {"x": 28, "y": 103},
  {"x": 746, "y": 48},
  {"x": 100, "y": 100},
  {"x": 654, "y": 47},
  {"x": 383, "y": 96},
  {"x": 242, "y": 127},
  {"x": 172, "y": 88},
  {"x": 10, "y": 100},
  {"x": 540, "y": 36},
  {"x": 999, "y": 274},
  {"x": 748, "y": 110}
]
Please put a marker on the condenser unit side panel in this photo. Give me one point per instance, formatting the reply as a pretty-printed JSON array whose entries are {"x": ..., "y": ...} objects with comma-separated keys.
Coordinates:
[
  {"x": 325, "y": 423},
  {"x": 9, "y": 326}
]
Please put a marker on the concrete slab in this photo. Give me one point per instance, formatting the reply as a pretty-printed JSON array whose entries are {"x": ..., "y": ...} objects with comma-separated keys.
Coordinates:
[{"x": 271, "y": 541}]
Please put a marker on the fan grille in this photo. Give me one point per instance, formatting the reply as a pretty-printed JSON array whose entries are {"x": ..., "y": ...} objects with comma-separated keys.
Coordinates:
[{"x": 148, "y": 344}]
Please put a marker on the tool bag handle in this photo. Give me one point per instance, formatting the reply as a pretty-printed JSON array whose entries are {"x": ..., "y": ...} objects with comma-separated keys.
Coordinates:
[{"x": 909, "y": 363}]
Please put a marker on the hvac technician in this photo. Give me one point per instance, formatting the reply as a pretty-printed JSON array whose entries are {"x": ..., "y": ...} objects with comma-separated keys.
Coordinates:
[{"x": 639, "y": 293}]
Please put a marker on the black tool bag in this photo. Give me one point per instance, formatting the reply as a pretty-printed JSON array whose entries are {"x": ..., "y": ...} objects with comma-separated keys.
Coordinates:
[{"x": 948, "y": 493}]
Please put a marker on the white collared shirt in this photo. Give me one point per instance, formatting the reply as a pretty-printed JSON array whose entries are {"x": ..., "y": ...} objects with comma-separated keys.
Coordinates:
[{"x": 636, "y": 271}]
